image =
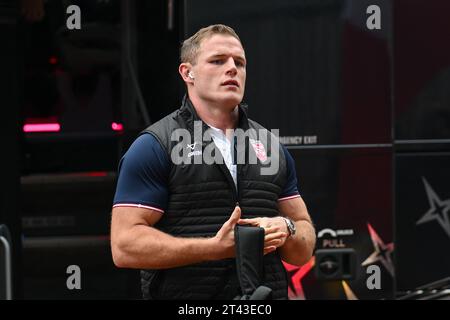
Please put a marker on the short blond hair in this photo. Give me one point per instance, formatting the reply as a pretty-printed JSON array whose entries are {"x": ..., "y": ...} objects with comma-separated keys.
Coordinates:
[{"x": 190, "y": 47}]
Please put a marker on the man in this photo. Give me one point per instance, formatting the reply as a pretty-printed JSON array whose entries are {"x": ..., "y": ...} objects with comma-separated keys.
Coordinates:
[{"x": 175, "y": 221}]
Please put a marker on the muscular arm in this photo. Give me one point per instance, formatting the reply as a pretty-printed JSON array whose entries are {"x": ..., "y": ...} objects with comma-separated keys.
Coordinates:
[
  {"x": 297, "y": 250},
  {"x": 136, "y": 244}
]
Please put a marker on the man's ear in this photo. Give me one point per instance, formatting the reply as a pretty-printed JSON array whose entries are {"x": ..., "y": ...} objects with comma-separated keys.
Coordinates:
[{"x": 184, "y": 70}]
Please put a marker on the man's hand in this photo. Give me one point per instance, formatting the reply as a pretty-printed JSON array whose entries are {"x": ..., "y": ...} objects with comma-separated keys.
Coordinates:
[
  {"x": 276, "y": 230},
  {"x": 225, "y": 236}
]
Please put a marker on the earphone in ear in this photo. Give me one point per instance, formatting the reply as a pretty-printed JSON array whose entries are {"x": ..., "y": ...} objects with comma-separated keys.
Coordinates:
[{"x": 190, "y": 75}]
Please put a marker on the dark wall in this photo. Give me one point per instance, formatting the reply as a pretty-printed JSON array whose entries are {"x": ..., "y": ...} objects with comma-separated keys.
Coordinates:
[
  {"x": 158, "y": 44},
  {"x": 10, "y": 131},
  {"x": 422, "y": 141}
]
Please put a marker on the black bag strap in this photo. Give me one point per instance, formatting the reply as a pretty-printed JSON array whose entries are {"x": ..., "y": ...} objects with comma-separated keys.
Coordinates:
[{"x": 249, "y": 242}]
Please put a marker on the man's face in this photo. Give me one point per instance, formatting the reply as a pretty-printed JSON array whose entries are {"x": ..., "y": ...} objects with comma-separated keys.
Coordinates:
[{"x": 220, "y": 71}]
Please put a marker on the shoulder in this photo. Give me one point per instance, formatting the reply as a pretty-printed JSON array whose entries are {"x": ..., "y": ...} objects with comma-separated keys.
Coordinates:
[
  {"x": 143, "y": 175},
  {"x": 162, "y": 129},
  {"x": 145, "y": 151},
  {"x": 143, "y": 144},
  {"x": 289, "y": 159}
]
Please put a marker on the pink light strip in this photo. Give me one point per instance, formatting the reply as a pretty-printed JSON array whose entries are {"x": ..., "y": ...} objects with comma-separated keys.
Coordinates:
[
  {"x": 42, "y": 127},
  {"x": 117, "y": 126}
]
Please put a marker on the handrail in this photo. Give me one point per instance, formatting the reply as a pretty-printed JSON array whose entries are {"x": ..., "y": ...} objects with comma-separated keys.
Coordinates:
[{"x": 7, "y": 249}]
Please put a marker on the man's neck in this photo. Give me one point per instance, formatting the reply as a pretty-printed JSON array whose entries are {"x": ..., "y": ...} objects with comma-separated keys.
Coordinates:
[{"x": 215, "y": 115}]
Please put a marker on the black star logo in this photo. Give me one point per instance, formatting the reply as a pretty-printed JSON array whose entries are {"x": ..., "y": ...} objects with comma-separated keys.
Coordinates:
[{"x": 439, "y": 210}]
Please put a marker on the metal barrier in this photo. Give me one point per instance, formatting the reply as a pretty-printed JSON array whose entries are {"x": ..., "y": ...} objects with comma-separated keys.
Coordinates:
[
  {"x": 438, "y": 290},
  {"x": 5, "y": 264}
]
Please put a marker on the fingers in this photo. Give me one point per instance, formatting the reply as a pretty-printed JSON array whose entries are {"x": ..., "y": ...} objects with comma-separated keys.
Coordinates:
[
  {"x": 269, "y": 249},
  {"x": 275, "y": 235},
  {"x": 276, "y": 239},
  {"x": 264, "y": 222},
  {"x": 270, "y": 230},
  {"x": 267, "y": 230},
  {"x": 235, "y": 216},
  {"x": 276, "y": 243},
  {"x": 253, "y": 222}
]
